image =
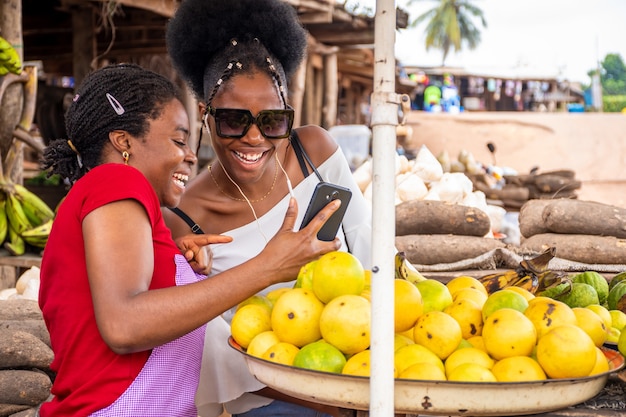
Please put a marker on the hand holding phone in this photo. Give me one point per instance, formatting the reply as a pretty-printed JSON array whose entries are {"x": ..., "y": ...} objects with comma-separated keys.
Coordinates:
[{"x": 323, "y": 194}]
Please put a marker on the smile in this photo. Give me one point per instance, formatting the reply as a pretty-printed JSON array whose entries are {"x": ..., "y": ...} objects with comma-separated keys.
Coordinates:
[
  {"x": 180, "y": 179},
  {"x": 249, "y": 158}
]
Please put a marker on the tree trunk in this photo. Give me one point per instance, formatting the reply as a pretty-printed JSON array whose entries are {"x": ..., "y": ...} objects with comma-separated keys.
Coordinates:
[{"x": 12, "y": 100}]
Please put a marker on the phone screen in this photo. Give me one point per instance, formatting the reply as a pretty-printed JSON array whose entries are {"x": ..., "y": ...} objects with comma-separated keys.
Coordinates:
[{"x": 325, "y": 193}]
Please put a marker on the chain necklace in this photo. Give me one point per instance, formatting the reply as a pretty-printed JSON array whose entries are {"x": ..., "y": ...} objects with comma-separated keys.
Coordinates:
[{"x": 245, "y": 198}]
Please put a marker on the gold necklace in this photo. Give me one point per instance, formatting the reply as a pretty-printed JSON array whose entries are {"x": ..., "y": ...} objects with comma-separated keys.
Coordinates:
[{"x": 243, "y": 199}]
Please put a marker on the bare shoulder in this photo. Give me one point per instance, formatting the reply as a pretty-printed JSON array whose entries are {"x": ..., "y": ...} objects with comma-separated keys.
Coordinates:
[{"x": 317, "y": 142}]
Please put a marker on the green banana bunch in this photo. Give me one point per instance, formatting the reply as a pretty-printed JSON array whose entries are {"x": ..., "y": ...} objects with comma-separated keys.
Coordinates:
[
  {"x": 18, "y": 220},
  {"x": 37, "y": 211},
  {"x": 529, "y": 275},
  {"x": 9, "y": 58},
  {"x": 405, "y": 270},
  {"x": 14, "y": 244},
  {"x": 38, "y": 236},
  {"x": 4, "y": 224}
]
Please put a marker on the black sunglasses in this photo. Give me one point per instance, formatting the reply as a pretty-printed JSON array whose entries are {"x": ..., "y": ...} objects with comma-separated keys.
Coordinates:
[{"x": 235, "y": 123}]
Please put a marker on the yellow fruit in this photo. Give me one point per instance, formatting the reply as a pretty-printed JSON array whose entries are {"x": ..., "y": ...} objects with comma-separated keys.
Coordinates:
[
  {"x": 261, "y": 342},
  {"x": 504, "y": 299},
  {"x": 401, "y": 340},
  {"x": 259, "y": 299},
  {"x": 435, "y": 295},
  {"x": 603, "y": 312},
  {"x": 439, "y": 332},
  {"x": 521, "y": 291},
  {"x": 592, "y": 324},
  {"x": 296, "y": 317},
  {"x": 621, "y": 343},
  {"x": 358, "y": 364},
  {"x": 473, "y": 294},
  {"x": 337, "y": 273},
  {"x": 275, "y": 294},
  {"x": 507, "y": 332},
  {"x": 282, "y": 352},
  {"x": 320, "y": 356},
  {"x": 467, "y": 355},
  {"x": 566, "y": 351},
  {"x": 518, "y": 369},
  {"x": 423, "y": 371},
  {"x": 411, "y": 354},
  {"x": 407, "y": 306},
  {"x": 407, "y": 333},
  {"x": 465, "y": 281},
  {"x": 471, "y": 372},
  {"x": 546, "y": 313},
  {"x": 602, "y": 363},
  {"x": 305, "y": 276},
  {"x": 346, "y": 323},
  {"x": 477, "y": 342},
  {"x": 248, "y": 321},
  {"x": 614, "y": 335},
  {"x": 469, "y": 316},
  {"x": 618, "y": 319},
  {"x": 464, "y": 344}
]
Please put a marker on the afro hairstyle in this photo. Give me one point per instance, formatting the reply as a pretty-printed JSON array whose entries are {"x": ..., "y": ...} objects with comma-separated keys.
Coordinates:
[{"x": 201, "y": 30}]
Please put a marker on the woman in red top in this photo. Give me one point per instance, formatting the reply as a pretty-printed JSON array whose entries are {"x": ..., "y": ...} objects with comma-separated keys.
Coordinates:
[{"x": 125, "y": 311}]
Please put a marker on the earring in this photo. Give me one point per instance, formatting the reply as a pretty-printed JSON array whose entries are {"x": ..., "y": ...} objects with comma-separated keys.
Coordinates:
[{"x": 125, "y": 157}]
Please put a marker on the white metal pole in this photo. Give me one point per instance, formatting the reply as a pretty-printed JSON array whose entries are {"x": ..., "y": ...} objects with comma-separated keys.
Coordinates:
[{"x": 384, "y": 119}]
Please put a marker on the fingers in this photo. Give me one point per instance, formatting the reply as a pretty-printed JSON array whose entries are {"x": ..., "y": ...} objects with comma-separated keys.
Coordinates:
[
  {"x": 290, "y": 216},
  {"x": 320, "y": 218}
]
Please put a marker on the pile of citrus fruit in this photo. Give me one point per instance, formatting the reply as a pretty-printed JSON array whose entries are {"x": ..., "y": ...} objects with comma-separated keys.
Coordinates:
[{"x": 454, "y": 331}]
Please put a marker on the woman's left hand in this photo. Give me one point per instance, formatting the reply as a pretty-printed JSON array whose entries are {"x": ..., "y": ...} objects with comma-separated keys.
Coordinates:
[{"x": 197, "y": 252}]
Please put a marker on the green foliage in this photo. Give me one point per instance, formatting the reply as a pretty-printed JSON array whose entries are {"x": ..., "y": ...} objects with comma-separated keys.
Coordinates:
[
  {"x": 613, "y": 103},
  {"x": 613, "y": 75},
  {"x": 450, "y": 24}
]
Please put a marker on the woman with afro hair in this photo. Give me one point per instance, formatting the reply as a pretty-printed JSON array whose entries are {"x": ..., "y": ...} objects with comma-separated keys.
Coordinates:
[{"x": 238, "y": 56}]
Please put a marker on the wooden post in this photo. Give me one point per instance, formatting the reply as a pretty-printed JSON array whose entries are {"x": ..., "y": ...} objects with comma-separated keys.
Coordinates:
[
  {"x": 12, "y": 100},
  {"x": 331, "y": 89},
  {"x": 83, "y": 43}
]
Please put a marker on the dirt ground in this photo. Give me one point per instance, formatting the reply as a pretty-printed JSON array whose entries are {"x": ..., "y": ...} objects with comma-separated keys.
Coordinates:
[{"x": 593, "y": 145}]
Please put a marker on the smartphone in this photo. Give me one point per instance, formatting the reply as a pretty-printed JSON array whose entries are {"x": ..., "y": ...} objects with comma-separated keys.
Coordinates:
[{"x": 323, "y": 194}]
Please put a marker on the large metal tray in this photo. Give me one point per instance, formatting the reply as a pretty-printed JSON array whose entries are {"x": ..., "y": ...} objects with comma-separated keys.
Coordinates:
[{"x": 434, "y": 397}]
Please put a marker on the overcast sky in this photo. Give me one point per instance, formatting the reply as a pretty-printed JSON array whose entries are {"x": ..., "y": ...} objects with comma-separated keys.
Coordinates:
[{"x": 565, "y": 38}]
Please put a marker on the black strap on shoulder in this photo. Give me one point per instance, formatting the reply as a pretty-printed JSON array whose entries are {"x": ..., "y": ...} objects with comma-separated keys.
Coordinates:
[
  {"x": 195, "y": 228},
  {"x": 303, "y": 156}
]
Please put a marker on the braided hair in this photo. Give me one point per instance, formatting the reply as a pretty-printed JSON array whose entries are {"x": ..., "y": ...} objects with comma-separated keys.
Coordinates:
[
  {"x": 116, "y": 97},
  {"x": 209, "y": 40}
]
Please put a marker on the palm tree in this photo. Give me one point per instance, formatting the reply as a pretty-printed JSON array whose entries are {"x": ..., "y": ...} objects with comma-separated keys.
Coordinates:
[{"x": 450, "y": 24}]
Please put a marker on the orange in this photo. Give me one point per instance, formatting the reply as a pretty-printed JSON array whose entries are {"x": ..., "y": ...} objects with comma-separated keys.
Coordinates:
[
  {"x": 507, "y": 332},
  {"x": 471, "y": 372},
  {"x": 439, "y": 332},
  {"x": 281, "y": 352},
  {"x": 346, "y": 323},
  {"x": 337, "y": 273},
  {"x": 467, "y": 355},
  {"x": 504, "y": 299},
  {"x": 320, "y": 356},
  {"x": 473, "y": 294},
  {"x": 518, "y": 369},
  {"x": 248, "y": 321},
  {"x": 592, "y": 324},
  {"x": 602, "y": 363},
  {"x": 423, "y": 371},
  {"x": 408, "y": 305},
  {"x": 261, "y": 342},
  {"x": 358, "y": 364},
  {"x": 469, "y": 316},
  {"x": 546, "y": 313},
  {"x": 566, "y": 351},
  {"x": 411, "y": 354},
  {"x": 465, "y": 281},
  {"x": 296, "y": 317}
]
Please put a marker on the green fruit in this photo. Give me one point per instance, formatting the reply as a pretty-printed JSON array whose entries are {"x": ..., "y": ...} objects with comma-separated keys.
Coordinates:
[
  {"x": 617, "y": 297},
  {"x": 581, "y": 295},
  {"x": 597, "y": 281},
  {"x": 320, "y": 356},
  {"x": 556, "y": 291},
  {"x": 621, "y": 343},
  {"x": 617, "y": 279}
]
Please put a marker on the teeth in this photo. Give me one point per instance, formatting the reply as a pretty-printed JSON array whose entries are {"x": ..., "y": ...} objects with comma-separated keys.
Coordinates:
[
  {"x": 180, "y": 179},
  {"x": 249, "y": 157}
]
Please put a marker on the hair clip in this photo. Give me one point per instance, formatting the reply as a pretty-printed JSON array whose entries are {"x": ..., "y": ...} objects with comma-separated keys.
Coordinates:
[
  {"x": 115, "y": 104},
  {"x": 233, "y": 42}
]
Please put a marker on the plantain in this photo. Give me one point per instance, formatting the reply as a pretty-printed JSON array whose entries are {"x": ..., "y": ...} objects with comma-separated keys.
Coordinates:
[
  {"x": 527, "y": 275},
  {"x": 14, "y": 244},
  {"x": 405, "y": 270},
  {"x": 4, "y": 225},
  {"x": 38, "y": 236},
  {"x": 37, "y": 211},
  {"x": 15, "y": 214},
  {"x": 9, "y": 58}
]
